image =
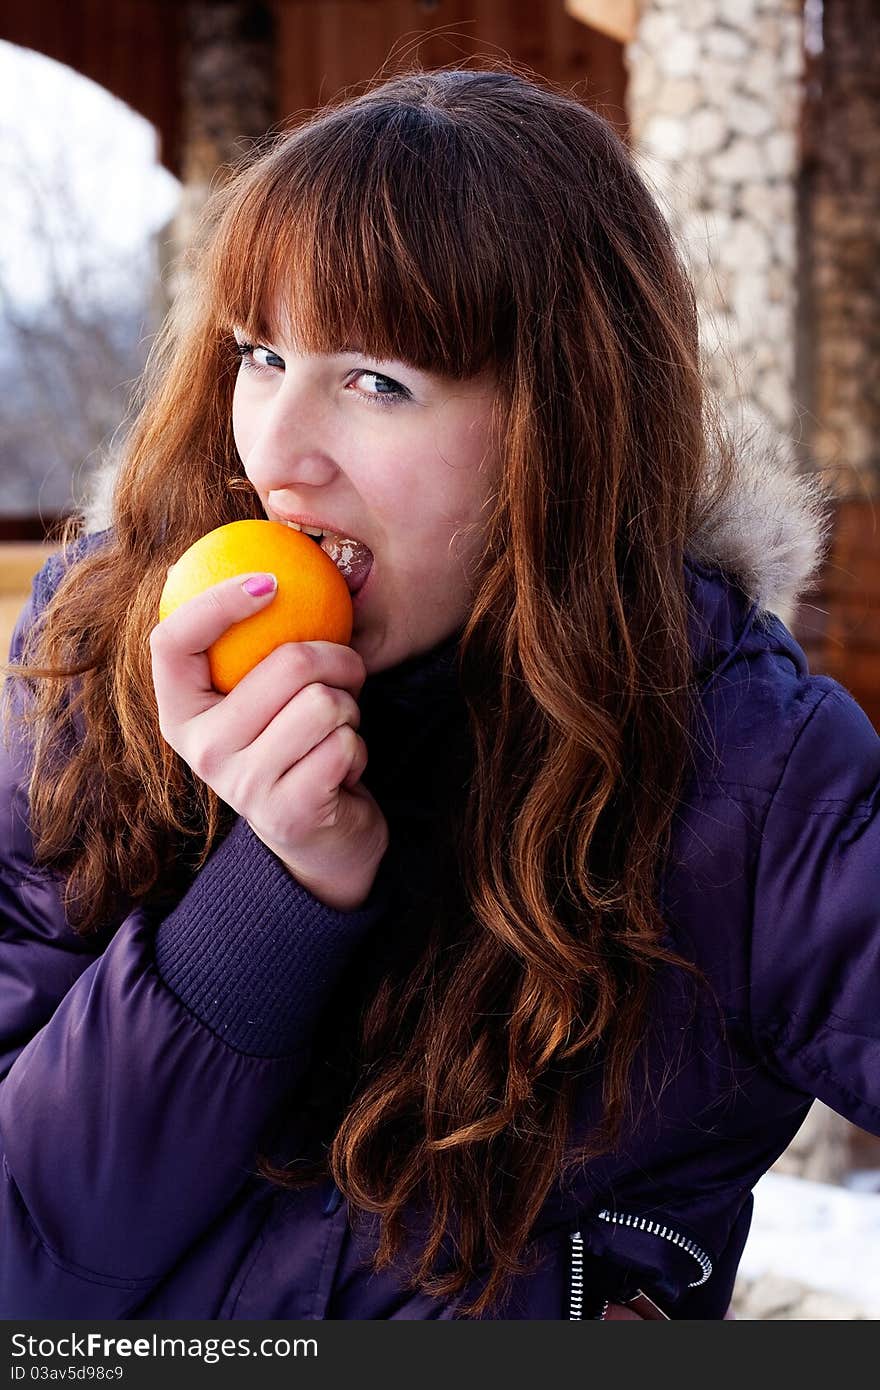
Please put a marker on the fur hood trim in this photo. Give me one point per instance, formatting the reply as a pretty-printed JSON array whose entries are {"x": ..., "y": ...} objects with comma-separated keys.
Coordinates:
[{"x": 771, "y": 536}]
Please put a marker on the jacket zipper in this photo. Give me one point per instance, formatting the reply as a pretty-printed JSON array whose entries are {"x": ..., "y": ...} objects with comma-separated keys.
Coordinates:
[
  {"x": 639, "y": 1223},
  {"x": 576, "y": 1299}
]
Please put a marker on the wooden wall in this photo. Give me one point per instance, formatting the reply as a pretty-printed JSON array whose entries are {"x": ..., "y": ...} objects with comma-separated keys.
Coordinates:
[
  {"x": 839, "y": 625},
  {"x": 328, "y": 46}
]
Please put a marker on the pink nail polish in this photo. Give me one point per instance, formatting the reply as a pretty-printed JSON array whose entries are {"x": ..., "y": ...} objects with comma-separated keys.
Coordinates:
[{"x": 260, "y": 584}]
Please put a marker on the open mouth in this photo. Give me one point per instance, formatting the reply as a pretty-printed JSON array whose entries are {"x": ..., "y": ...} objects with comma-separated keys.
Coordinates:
[{"x": 353, "y": 558}]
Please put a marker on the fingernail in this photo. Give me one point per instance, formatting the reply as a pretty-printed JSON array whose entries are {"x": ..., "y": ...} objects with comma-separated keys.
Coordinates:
[{"x": 260, "y": 584}]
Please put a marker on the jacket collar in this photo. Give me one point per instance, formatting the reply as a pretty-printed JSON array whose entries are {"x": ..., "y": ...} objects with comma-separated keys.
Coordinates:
[{"x": 721, "y": 620}]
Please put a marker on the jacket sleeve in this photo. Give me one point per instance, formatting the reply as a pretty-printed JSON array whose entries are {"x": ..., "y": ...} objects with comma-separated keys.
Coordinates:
[
  {"x": 132, "y": 1116},
  {"x": 815, "y": 973}
]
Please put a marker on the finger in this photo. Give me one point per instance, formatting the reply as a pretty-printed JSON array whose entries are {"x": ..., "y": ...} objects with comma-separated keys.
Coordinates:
[
  {"x": 311, "y": 784},
  {"x": 179, "y": 645},
  {"x": 254, "y": 706},
  {"x": 302, "y": 725},
  {"x": 291, "y": 667},
  {"x": 358, "y": 767}
]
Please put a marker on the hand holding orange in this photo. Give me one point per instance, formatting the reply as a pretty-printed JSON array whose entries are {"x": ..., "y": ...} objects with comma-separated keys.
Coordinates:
[
  {"x": 282, "y": 749},
  {"x": 312, "y": 602}
]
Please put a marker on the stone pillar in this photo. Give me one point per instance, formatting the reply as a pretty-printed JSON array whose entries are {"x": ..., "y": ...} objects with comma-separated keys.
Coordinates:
[
  {"x": 715, "y": 98},
  {"x": 229, "y": 100},
  {"x": 844, "y": 227}
]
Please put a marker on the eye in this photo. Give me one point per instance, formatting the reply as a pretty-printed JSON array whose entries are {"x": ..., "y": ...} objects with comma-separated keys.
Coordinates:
[
  {"x": 383, "y": 397},
  {"x": 248, "y": 352},
  {"x": 264, "y": 362}
]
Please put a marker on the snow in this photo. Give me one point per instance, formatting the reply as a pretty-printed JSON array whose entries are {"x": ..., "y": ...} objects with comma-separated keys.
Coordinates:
[
  {"x": 83, "y": 191},
  {"x": 823, "y": 1236}
]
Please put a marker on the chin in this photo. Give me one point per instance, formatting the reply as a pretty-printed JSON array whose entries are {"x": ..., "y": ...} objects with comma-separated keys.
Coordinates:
[{"x": 360, "y": 642}]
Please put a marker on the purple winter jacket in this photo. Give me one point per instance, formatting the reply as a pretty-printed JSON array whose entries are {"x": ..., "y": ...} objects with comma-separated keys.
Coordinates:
[{"x": 142, "y": 1075}]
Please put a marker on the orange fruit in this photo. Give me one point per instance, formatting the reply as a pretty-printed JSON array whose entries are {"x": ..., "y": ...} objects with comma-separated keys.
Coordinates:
[{"x": 311, "y": 603}]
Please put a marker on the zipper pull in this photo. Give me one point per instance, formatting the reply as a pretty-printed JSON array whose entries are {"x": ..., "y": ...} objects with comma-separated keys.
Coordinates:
[{"x": 639, "y": 1306}]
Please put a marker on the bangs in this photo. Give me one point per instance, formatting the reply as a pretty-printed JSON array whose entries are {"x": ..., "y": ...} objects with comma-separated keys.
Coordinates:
[{"x": 350, "y": 237}]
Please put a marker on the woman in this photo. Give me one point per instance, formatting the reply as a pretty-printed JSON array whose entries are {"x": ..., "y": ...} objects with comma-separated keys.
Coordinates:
[{"x": 507, "y": 1020}]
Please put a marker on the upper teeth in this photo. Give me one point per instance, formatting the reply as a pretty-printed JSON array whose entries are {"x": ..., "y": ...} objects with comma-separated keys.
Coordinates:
[{"x": 309, "y": 530}]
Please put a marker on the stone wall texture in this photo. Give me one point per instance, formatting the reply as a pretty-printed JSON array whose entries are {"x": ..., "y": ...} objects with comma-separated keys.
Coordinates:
[{"x": 714, "y": 103}]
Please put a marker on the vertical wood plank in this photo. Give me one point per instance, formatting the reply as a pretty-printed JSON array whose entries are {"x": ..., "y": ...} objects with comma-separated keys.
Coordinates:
[
  {"x": 294, "y": 59},
  {"x": 353, "y": 41}
]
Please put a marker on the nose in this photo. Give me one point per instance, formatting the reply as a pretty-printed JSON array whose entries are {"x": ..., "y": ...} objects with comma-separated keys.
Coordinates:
[{"x": 285, "y": 442}]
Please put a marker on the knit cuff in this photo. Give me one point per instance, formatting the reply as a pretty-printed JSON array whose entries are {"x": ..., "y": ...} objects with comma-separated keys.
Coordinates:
[{"x": 252, "y": 953}]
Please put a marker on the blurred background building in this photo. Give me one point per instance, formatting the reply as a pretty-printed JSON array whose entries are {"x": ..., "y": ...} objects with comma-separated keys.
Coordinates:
[{"x": 755, "y": 122}]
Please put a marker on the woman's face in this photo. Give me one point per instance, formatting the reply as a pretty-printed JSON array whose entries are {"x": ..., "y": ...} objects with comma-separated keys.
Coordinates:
[{"x": 394, "y": 457}]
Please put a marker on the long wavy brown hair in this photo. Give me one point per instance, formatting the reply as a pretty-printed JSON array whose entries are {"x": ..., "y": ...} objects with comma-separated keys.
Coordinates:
[{"x": 457, "y": 218}]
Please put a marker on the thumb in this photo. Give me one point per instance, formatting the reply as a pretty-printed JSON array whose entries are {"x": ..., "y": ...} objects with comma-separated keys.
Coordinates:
[{"x": 179, "y": 642}]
